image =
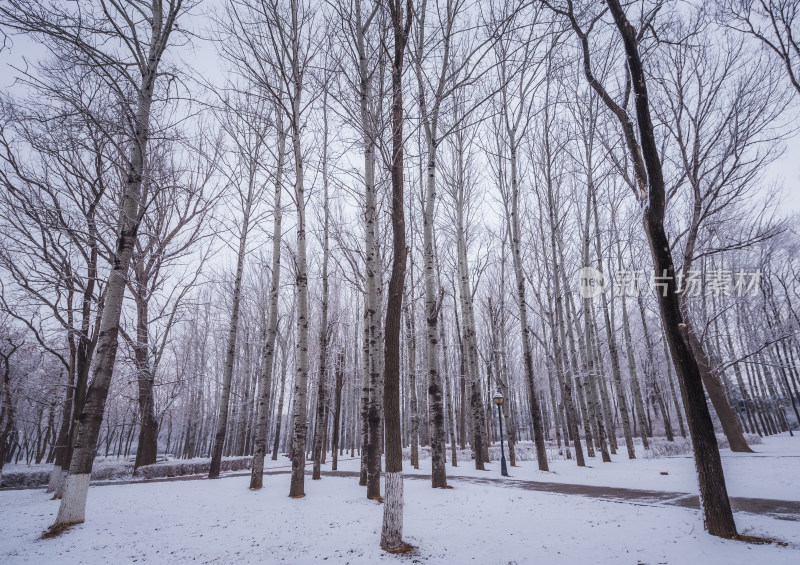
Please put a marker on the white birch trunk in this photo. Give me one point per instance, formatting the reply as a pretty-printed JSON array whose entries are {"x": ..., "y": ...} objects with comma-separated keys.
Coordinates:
[
  {"x": 73, "y": 501},
  {"x": 265, "y": 382},
  {"x": 299, "y": 431}
]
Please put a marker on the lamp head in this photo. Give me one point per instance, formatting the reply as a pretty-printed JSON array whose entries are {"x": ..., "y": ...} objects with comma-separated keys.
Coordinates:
[{"x": 498, "y": 398}]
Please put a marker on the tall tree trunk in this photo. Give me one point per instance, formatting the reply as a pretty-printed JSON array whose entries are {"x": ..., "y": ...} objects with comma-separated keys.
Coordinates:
[
  {"x": 470, "y": 332},
  {"x": 430, "y": 120},
  {"x": 370, "y": 438},
  {"x": 392, "y": 529},
  {"x": 588, "y": 326},
  {"x": 147, "y": 449},
  {"x": 73, "y": 502},
  {"x": 297, "y": 487},
  {"x": 462, "y": 381},
  {"x": 337, "y": 411},
  {"x": 364, "y": 397},
  {"x": 233, "y": 329},
  {"x": 411, "y": 344},
  {"x": 611, "y": 338},
  {"x": 432, "y": 335},
  {"x": 268, "y": 354},
  {"x": 713, "y": 493},
  {"x": 320, "y": 430},
  {"x": 279, "y": 410},
  {"x": 375, "y": 408},
  {"x": 527, "y": 354},
  {"x": 451, "y": 416}
]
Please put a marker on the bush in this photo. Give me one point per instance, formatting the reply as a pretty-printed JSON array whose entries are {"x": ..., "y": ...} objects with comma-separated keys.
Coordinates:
[
  {"x": 112, "y": 469},
  {"x": 183, "y": 467},
  {"x": 24, "y": 478}
]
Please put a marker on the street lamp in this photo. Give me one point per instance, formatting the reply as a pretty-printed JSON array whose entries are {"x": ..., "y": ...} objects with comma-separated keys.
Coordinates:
[{"x": 498, "y": 399}]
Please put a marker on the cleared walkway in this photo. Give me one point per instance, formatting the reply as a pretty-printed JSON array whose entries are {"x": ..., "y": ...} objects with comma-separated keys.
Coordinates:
[{"x": 781, "y": 509}]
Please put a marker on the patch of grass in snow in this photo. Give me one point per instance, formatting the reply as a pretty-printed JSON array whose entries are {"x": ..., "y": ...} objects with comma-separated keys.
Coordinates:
[
  {"x": 57, "y": 529},
  {"x": 402, "y": 549},
  {"x": 760, "y": 541}
]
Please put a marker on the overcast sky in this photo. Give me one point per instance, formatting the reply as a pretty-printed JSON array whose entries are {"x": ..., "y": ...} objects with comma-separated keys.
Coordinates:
[{"x": 201, "y": 55}]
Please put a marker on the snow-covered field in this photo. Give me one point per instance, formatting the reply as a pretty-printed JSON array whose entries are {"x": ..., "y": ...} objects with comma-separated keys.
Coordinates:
[
  {"x": 773, "y": 471},
  {"x": 223, "y": 522}
]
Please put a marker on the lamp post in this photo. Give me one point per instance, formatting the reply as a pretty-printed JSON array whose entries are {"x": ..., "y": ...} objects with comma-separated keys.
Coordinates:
[{"x": 498, "y": 399}]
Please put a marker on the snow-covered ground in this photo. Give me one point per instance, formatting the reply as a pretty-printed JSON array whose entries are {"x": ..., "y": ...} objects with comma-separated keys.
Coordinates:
[
  {"x": 223, "y": 522},
  {"x": 773, "y": 471}
]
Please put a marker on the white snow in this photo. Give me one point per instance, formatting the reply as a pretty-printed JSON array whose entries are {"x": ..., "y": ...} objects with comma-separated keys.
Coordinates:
[
  {"x": 773, "y": 471},
  {"x": 222, "y": 521}
]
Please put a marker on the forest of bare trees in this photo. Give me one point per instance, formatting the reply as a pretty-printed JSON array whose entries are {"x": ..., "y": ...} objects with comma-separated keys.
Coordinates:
[{"x": 310, "y": 230}]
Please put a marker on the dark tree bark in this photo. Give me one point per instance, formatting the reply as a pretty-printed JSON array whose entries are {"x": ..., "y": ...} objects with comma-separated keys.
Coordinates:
[
  {"x": 337, "y": 410},
  {"x": 713, "y": 493},
  {"x": 392, "y": 530},
  {"x": 7, "y": 418}
]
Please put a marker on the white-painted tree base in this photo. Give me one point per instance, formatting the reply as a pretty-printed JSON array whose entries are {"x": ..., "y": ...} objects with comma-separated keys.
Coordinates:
[
  {"x": 55, "y": 478},
  {"x": 73, "y": 501},
  {"x": 392, "y": 532}
]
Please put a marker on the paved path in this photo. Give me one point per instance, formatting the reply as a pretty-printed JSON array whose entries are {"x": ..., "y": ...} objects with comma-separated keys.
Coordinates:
[{"x": 781, "y": 509}]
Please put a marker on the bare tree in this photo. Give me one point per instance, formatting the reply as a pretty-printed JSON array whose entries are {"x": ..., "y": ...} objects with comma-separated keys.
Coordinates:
[
  {"x": 392, "y": 530},
  {"x": 7, "y": 416},
  {"x": 268, "y": 357},
  {"x": 83, "y": 37},
  {"x": 173, "y": 226},
  {"x": 246, "y": 123},
  {"x": 56, "y": 266},
  {"x": 276, "y": 52},
  {"x": 721, "y": 116},
  {"x": 519, "y": 79},
  {"x": 773, "y": 23},
  {"x": 324, "y": 328},
  {"x": 713, "y": 493}
]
